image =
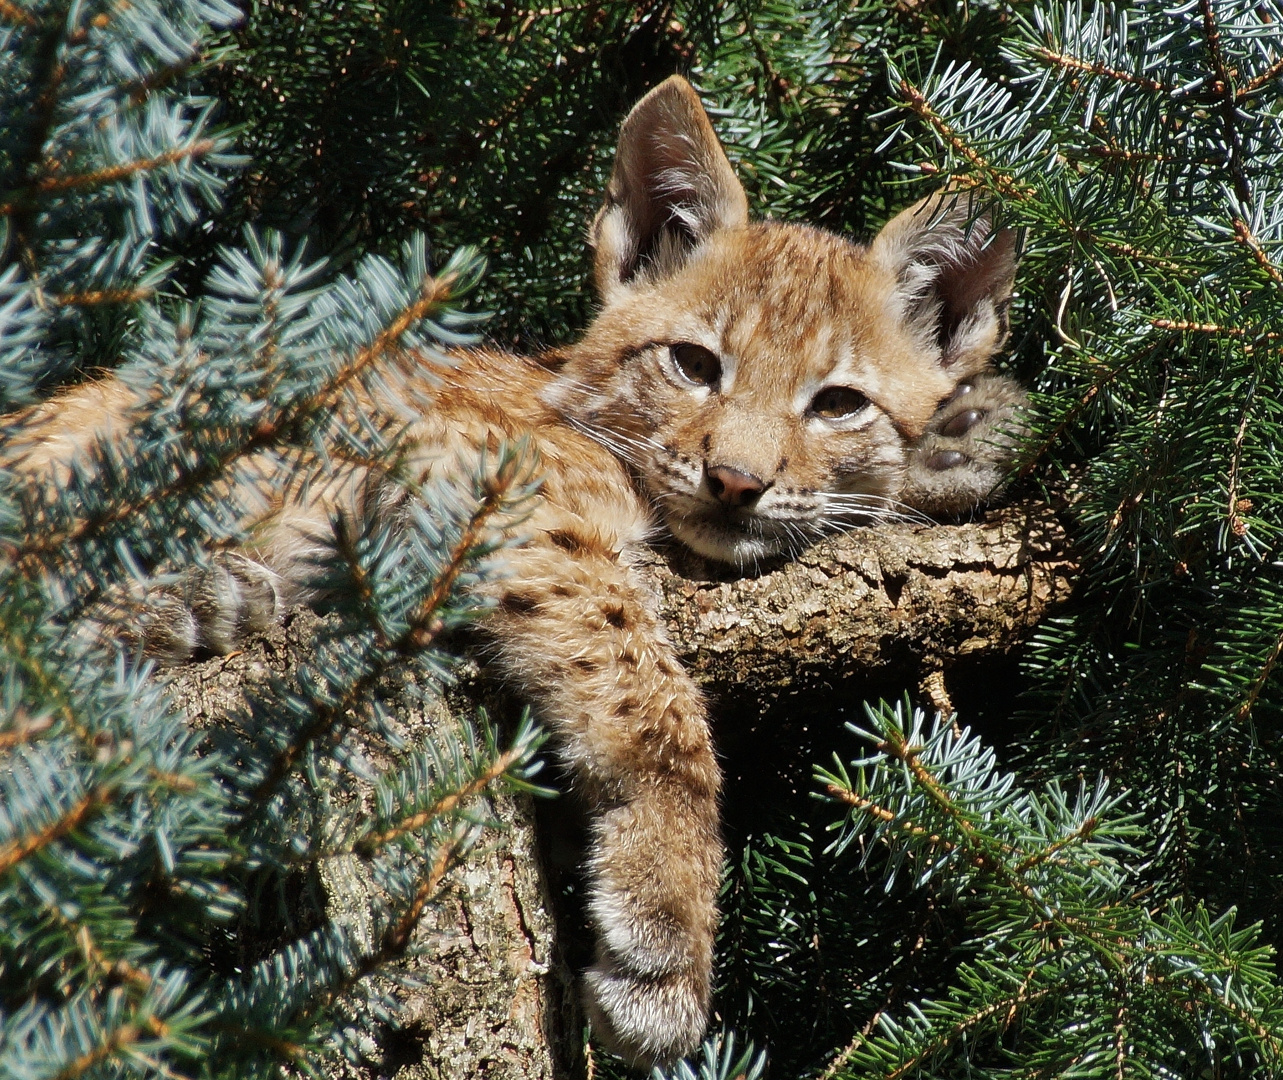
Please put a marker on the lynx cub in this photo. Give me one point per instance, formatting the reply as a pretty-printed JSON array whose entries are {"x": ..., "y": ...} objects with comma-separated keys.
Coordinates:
[{"x": 746, "y": 387}]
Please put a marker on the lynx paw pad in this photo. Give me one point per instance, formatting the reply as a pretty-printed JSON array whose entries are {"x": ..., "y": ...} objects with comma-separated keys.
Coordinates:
[{"x": 961, "y": 460}]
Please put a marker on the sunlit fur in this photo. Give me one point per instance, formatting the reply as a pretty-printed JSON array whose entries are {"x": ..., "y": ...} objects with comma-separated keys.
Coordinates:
[
  {"x": 790, "y": 311},
  {"x": 625, "y": 444}
]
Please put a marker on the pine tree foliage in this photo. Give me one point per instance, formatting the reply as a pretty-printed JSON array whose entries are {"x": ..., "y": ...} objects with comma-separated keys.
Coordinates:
[
  {"x": 160, "y": 912},
  {"x": 1074, "y": 968},
  {"x": 1142, "y": 149},
  {"x": 717, "y": 1060},
  {"x": 495, "y": 125},
  {"x": 98, "y": 159}
]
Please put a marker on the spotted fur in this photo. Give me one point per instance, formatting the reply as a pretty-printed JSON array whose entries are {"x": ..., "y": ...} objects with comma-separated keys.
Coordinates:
[{"x": 745, "y": 388}]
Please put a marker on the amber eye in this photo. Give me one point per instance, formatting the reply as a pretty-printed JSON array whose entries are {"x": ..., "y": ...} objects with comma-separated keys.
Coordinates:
[
  {"x": 695, "y": 363},
  {"x": 838, "y": 402}
]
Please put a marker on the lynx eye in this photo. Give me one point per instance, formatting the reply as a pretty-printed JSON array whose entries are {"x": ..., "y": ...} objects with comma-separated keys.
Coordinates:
[
  {"x": 838, "y": 402},
  {"x": 695, "y": 363}
]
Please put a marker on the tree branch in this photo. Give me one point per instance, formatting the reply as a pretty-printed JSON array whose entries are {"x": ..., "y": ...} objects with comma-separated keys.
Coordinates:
[{"x": 888, "y": 604}]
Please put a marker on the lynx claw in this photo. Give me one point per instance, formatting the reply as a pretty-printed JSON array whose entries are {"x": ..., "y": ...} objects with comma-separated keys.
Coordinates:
[{"x": 961, "y": 460}]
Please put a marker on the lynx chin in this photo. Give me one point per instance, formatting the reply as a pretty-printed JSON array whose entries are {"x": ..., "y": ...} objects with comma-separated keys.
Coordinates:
[{"x": 745, "y": 388}]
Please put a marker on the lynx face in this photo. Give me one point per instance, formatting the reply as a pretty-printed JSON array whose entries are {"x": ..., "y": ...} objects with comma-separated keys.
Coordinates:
[{"x": 767, "y": 382}]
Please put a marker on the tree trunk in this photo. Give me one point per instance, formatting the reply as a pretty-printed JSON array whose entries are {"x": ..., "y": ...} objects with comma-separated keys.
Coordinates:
[{"x": 870, "y": 612}]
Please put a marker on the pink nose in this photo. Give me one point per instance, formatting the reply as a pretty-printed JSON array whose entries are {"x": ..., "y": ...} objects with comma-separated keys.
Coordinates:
[{"x": 733, "y": 487}]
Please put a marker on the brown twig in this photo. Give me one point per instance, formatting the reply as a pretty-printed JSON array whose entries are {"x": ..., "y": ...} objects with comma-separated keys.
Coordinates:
[
  {"x": 1233, "y": 509},
  {"x": 15, "y": 14},
  {"x": 1244, "y": 236},
  {"x": 1245, "y": 709},
  {"x": 1072, "y": 63},
  {"x": 83, "y": 810},
  {"x": 50, "y": 185},
  {"x": 101, "y": 296},
  {"x": 371, "y": 842},
  {"x": 1274, "y": 71},
  {"x": 398, "y": 936},
  {"x": 918, "y": 104}
]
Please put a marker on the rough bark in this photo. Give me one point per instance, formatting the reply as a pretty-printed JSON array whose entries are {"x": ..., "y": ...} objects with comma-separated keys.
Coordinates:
[
  {"x": 899, "y": 601},
  {"x": 894, "y": 606}
]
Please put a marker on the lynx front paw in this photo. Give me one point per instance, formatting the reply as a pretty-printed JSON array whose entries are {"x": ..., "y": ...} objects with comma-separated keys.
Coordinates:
[
  {"x": 213, "y": 608},
  {"x": 961, "y": 460}
]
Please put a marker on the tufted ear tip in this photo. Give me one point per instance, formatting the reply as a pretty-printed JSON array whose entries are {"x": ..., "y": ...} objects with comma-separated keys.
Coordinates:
[
  {"x": 954, "y": 266},
  {"x": 670, "y": 189}
]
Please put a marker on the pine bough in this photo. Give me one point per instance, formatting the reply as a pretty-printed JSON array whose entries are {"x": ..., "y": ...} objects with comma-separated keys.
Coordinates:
[{"x": 142, "y": 861}]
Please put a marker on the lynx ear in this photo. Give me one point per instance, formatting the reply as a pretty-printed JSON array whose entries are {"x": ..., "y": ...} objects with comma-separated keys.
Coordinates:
[
  {"x": 671, "y": 188},
  {"x": 953, "y": 272}
]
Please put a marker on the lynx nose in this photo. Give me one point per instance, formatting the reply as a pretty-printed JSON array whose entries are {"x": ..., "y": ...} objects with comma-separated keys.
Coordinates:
[{"x": 733, "y": 487}]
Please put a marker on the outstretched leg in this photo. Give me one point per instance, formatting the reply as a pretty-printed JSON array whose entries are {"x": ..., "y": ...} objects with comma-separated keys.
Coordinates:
[{"x": 575, "y": 633}]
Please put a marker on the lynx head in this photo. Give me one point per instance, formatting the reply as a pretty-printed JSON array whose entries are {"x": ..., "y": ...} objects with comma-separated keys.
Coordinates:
[{"x": 764, "y": 381}]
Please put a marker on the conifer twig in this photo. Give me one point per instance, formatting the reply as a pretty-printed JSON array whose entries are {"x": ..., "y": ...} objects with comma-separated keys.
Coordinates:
[
  {"x": 372, "y": 841},
  {"x": 871, "y": 808},
  {"x": 1234, "y": 505},
  {"x": 15, "y": 14},
  {"x": 398, "y": 936},
  {"x": 101, "y": 296},
  {"x": 1262, "y": 678},
  {"x": 1010, "y": 1005},
  {"x": 83, "y": 810},
  {"x": 51, "y": 185},
  {"x": 1274, "y": 71},
  {"x": 1073, "y": 63},
  {"x": 1244, "y": 236},
  {"x": 1004, "y": 182},
  {"x": 1229, "y": 110}
]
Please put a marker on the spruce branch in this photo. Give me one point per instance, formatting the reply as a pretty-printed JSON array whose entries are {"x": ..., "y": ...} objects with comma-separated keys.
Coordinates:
[
  {"x": 1223, "y": 89},
  {"x": 1234, "y": 504},
  {"x": 1249, "y": 701},
  {"x": 969, "y": 1024},
  {"x": 48, "y": 683},
  {"x": 101, "y": 296},
  {"x": 1260, "y": 81},
  {"x": 1243, "y": 234},
  {"x": 1098, "y": 68},
  {"x": 372, "y": 841},
  {"x": 1003, "y": 183},
  {"x": 398, "y": 935},
  {"x": 80, "y": 813},
  {"x": 11, "y": 11},
  {"x": 112, "y": 1044},
  {"x": 112, "y": 174},
  {"x": 1085, "y": 937},
  {"x": 46, "y": 79}
]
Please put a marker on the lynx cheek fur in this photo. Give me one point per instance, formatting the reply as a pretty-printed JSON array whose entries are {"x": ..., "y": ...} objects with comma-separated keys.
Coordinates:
[{"x": 745, "y": 386}]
